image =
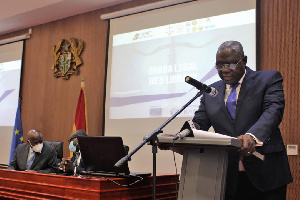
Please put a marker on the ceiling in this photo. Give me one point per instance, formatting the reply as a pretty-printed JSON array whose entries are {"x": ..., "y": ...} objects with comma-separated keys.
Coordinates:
[{"x": 19, "y": 14}]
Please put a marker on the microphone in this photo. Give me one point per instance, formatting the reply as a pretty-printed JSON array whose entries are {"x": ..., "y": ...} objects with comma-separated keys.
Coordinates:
[
  {"x": 121, "y": 161},
  {"x": 200, "y": 86},
  {"x": 186, "y": 130},
  {"x": 182, "y": 134}
]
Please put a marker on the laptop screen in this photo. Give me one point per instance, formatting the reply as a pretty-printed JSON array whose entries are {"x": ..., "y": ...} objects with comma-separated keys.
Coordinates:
[{"x": 100, "y": 154}]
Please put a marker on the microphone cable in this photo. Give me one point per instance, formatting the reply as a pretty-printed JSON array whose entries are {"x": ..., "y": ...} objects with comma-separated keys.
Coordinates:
[{"x": 125, "y": 185}]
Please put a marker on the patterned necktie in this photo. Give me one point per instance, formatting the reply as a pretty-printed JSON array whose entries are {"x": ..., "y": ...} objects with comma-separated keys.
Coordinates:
[
  {"x": 30, "y": 161},
  {"x": 231, "y": 101}
]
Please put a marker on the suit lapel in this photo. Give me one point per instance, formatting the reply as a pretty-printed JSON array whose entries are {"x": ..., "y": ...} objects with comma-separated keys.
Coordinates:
[
  {"x": 24, "y": 156},
  {"x": 37, "y": 157},
  {"x": 246, "y": 85},
  {"x": 221, "y": 96}
]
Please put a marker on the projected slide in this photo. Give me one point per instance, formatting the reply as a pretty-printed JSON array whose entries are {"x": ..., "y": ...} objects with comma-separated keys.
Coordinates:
[
  {"x": 9, "y": 91},
  {"x": 10, "y": 73},
  {"x": 149, "y": 66}
]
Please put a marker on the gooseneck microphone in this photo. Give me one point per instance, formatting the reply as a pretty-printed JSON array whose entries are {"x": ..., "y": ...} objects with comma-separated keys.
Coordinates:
[
  {"x": 122, "y": 161},
  {"x": 200, "y": 86},
  {"x": 186, "y": 130},
  {"x": 182, "y": 134}
]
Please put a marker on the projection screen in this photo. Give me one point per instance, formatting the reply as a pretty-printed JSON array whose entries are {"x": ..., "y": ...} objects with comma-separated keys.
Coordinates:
[
  {"x": 150, "y": 54},
  {"x": 10, "y": 75}
]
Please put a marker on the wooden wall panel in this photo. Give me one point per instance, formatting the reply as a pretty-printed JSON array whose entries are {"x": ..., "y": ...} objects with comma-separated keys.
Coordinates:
[
  {"x": 49, "y": 104},
  {"x": 280, "y": 48}
]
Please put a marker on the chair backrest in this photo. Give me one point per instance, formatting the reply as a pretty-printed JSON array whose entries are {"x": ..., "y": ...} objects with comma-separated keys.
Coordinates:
[{"x": 59, "y": 148}]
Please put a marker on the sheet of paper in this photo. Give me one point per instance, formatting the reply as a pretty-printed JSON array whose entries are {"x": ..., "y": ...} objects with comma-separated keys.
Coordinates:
[{"x": 205, "y": 134}]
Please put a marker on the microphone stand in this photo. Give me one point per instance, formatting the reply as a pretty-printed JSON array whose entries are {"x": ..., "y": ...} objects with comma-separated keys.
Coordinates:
[{"x": 153, "y": 140}]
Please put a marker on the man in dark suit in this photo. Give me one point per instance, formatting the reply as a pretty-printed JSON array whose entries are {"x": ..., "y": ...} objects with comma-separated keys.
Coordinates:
[
  {"x": 250, "y": 106},
  {"x": 34, "y": 156}
]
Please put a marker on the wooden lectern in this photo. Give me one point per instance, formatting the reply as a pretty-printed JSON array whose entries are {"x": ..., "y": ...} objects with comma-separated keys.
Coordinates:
[{"x": 204, "y": 165}]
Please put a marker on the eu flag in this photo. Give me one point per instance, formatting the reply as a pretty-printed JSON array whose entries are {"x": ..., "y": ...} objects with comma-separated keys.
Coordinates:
[{"x": 17, "y": 137}]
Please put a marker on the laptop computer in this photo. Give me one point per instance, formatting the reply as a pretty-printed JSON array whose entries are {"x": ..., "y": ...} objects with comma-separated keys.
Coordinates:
[{"x": 101, "y": 153}]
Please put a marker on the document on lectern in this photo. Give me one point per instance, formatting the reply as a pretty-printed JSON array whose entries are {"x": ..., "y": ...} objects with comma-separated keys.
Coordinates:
[{"x": 208, "y": 135}]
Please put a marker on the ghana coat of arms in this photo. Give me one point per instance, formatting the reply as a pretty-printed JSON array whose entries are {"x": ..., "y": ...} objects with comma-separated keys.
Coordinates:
[{"x": 67, "y": 57}]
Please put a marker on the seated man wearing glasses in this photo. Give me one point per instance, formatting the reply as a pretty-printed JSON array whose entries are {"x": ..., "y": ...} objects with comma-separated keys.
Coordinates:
[
  {"x": 75, "y": 164},
  {"x": 249, "y": 106}
]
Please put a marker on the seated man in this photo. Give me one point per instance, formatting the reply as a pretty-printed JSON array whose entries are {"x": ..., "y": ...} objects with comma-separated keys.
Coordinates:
[
  {"x": 75, "y": 164},
  {"x": 34, "y": 156}
]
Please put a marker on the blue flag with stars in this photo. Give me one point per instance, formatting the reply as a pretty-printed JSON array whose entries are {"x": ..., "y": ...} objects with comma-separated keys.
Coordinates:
[{"x": 17, "y": 137}]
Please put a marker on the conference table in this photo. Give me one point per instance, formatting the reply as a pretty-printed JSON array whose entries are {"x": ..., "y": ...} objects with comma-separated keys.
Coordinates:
[{"x": 25, "y": 185}]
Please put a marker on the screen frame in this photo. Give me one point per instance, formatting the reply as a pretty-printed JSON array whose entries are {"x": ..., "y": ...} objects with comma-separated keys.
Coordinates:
[{"x": 257, "y": 14}]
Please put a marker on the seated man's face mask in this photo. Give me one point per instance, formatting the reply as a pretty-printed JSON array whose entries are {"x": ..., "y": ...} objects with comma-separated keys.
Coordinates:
[
  {"x": 36, "y": 148},
  {"x": 72, "y": 147}
]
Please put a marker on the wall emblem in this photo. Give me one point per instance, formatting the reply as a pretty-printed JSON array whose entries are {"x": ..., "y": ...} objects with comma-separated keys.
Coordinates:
[{"x": 66, "y": 57}]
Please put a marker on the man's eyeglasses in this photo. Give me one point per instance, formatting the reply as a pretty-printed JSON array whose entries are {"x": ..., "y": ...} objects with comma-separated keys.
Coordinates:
[{"x": 229, "y": 66}]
